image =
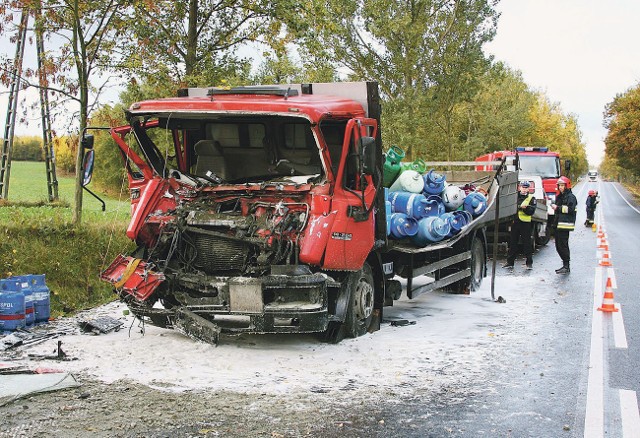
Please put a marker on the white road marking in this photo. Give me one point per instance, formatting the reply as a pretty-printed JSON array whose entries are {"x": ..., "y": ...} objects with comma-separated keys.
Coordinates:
[
  {"x": 629, "y": 414},
  {"x": 619, "y": 333},
  {"x": 636, "y": 210},
  {"x": 594, "y": 416},
  {"x": 612, "y": 275}
]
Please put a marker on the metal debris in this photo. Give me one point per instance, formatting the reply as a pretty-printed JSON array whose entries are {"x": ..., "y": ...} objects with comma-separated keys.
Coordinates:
[{"x": 101, "y": 325}]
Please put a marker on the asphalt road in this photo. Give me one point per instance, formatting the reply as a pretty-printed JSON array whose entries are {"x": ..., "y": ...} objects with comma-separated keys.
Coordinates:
[{"x": 544, "y": 382}]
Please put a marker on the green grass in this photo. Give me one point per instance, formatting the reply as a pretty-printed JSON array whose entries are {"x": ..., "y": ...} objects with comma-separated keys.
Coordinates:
[{"x": 37, "y": 237}]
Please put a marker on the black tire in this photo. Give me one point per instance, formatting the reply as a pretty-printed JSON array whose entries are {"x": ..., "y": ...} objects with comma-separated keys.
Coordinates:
[
  {"x": 478, "y": 266},
  {"x": 361, "y": 289},
  {"x": 541, "y": 240}
]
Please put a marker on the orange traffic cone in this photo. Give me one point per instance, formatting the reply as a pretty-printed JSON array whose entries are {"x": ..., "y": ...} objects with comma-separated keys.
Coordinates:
[
  {"x": 603, "y": 245},
  {"x": 605, "y": 260},
  {"x": 607, "y": 301},
  {"x": 600, "y": 232}
]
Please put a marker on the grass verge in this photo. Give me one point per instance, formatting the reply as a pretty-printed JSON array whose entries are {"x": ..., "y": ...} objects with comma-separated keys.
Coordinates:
[{"x": 38, "y": 237}]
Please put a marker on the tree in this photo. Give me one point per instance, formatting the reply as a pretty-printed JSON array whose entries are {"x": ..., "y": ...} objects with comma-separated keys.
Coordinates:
[
  {"x": 622, "y": 119},
  {"x": 84, "y": 35},
  {"x": 497, "y": 117},
  {"x": 195, "y": 42},
  {"x": 426, "y": 54}
]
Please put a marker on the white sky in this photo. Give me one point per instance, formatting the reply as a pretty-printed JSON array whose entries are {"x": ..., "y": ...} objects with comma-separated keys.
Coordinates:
[{"x": 580, "y": 52}]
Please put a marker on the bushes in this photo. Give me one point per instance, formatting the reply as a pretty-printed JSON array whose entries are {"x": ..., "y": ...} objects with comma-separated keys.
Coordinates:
[{"x": 41, "y": 240}]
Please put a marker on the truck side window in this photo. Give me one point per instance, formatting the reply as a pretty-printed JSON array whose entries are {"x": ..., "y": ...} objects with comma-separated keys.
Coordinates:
[
  {"x": 333, "y": 133},
  {"x": 352, "y": 167}
]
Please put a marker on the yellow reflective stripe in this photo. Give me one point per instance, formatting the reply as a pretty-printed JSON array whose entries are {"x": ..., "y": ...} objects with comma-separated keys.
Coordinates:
[
  {"x": 527, "y": 201},
  {"x": 523, "y": 216},
  {"x": 566, "y": 226},
  {"x": 128, "y": 272},
  {"x": 565, "y": 209}
]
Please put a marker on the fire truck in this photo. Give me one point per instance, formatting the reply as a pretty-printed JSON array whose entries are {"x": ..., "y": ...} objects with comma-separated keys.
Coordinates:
[
  {"x": 261, "y": 210},
  {"x": 534, "y": 161}
]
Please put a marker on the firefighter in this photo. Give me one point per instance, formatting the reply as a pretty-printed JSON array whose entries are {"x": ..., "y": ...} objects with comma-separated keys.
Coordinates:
[
  {"x": 592, "y": 202},
  {"x": 565, "y": 209},
  {"x": 521, "y": 227}
]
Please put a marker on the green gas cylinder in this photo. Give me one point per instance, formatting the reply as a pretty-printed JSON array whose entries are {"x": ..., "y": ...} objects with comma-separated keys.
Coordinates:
[
  {"x": 418, "y": 165},
  {"x": 391, "y": 167}
]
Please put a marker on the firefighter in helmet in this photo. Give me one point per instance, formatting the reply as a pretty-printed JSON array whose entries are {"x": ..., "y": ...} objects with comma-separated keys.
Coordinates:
[
  {"x": 592, "y": 202},
  {"x": 565, "y": 212},
  {"x": 521, "y": 227}
]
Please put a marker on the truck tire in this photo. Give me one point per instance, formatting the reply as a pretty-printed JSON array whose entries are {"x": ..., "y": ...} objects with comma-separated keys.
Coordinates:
[
  {"x": 541, "y": 239},
  {"x": 361, "y": 289},
  {"x": 478, "y": 266}
]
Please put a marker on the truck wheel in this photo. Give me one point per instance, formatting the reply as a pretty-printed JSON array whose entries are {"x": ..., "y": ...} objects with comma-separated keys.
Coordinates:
[
  {"x": 541, "y": 239},
  {"x": 360, "y": 287},
  {"x": 478, "y": 266}
]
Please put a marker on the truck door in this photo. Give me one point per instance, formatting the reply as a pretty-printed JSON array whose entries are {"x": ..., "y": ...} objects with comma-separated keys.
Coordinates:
[{"x": 353, "y": 232}]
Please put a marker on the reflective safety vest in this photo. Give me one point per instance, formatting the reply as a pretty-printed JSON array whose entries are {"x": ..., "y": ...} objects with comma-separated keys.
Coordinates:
[{"x": 521, "y": 214}]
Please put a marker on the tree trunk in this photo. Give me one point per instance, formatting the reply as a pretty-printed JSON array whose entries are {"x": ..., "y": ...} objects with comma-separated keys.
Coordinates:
[{"x": 192, "y": 41}]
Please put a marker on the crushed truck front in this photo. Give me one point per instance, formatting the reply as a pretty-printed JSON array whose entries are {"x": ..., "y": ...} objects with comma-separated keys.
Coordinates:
[{"x": 249, "y": 209}]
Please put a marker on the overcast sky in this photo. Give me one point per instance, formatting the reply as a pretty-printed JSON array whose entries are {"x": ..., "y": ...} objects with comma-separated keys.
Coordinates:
[{"x": 580, "y": 52}]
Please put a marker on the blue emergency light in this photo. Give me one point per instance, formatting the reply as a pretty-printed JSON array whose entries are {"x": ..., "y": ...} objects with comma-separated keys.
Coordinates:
[{"x": 531, "y": 149}]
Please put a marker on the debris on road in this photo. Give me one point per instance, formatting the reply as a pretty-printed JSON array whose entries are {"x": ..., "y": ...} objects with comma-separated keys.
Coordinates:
[{"x": 103, "y": 324}]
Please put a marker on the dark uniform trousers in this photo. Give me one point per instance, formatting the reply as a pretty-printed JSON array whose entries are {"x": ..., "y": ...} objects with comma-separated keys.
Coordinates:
[
  {"x": 562, "y": 245},
  {"x": 519, "y": 228}
]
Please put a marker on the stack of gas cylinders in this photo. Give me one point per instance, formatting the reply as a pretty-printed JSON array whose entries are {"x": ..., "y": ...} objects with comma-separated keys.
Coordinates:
[
  {"x": 24, "y": 302},
  {"x": 421, "y": 207}
]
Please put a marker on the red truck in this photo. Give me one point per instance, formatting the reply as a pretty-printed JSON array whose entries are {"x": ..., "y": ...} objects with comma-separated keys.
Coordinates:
[
  {"x": 261, "y": 210},
  {"x": 535, "y": 161}
]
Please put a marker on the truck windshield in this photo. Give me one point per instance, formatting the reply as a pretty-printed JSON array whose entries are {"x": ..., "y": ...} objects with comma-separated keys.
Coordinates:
[
  {"x": 235, "y": 149},
  {"x": 545, "y": 166}
]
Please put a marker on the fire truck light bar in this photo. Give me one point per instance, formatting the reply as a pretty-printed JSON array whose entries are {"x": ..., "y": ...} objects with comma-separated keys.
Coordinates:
[{"x": 532, "y": 149}]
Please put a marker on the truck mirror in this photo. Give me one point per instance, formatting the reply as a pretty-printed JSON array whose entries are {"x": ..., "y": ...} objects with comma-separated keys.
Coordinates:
[
  {"x": 567, "y": 165},
  {"x": 87, "y": 141},
  {"x": 368, "y": 155},
  {"x": 87, "y": 166}
]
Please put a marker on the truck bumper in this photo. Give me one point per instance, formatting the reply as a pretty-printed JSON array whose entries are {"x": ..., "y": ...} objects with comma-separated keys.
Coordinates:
[{"x": 268, "y": 304}]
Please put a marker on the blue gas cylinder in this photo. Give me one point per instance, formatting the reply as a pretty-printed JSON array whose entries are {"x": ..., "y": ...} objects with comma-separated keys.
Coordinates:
[
  {"x": 475, "y": 203},
  {"x": 457, "y": 220},
  {"x": 41, "y": 299},
  {"x": 435, "y": 206},
  {"x": 388, "y": 210},
  {"x": 27, "y": 290},
  {"x": 403, "y": 225},
  {"x": 412, "y": 204},
  {"x": 431, "y": 229},
  {"x": 12, "y": 307},
  {"x": 434, "y": 183}
]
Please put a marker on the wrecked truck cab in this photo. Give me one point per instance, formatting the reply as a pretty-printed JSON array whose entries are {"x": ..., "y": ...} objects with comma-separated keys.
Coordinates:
[{"x": 249, "y": 209}]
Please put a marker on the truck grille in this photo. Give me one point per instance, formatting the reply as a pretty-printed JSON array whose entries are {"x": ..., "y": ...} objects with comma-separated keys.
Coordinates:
[{"x": 215, "y": 255}]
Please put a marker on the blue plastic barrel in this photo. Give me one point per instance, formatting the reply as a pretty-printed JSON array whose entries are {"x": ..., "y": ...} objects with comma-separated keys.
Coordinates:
[
  {"x": 431, "y": 229},
  {"x": 403, "y": 226},
  {"x": 41, "y": 299},
  {"x": 12, "y": 306},
  {"x": 27, "y": 290}
]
